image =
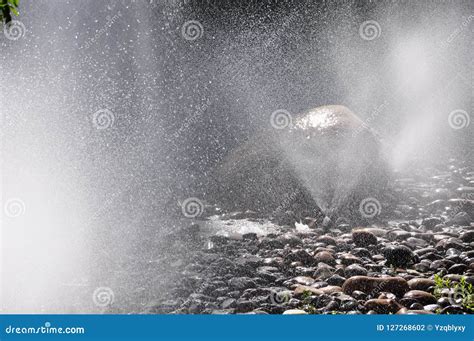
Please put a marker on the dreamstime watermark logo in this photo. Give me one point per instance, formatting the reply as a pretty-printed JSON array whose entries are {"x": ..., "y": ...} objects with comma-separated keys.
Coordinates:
[
  {"x": 286, "y": 202},
  {"x": 459, "y": 119},
  {"x": 104, "y": 29},
  {"x": 14, "y": 207},
  {"x": 14, "y": 30},
  {"x": 103, "y": 119},
  {"x": 280, "y": 119},
  {"x": 192, "y": 207},
  {"x": 103, "y": 297},
  {"x": 459, "y": 29},
  {"x": 193, "y": 118},
  {"x": 370, "y": 207},
  {"x": 279, "y": 297},
  {"x": 370, "y": 30},
  {"x": 373, "y": 115},
  {"x": 192, "y": 30}
]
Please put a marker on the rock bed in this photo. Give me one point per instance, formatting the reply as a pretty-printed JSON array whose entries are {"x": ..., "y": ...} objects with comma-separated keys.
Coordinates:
[{"x": 420, "y": 260}]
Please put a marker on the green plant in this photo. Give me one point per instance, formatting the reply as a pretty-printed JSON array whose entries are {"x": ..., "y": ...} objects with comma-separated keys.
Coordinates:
[
  {"x": 461, "y": 293},
  {"x": 7, "y": 7}
]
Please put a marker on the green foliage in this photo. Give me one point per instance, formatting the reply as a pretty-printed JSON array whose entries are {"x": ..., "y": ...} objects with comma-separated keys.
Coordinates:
[
  {"x": 7, "y": 7},
  {"x": 462, "y": 291}
]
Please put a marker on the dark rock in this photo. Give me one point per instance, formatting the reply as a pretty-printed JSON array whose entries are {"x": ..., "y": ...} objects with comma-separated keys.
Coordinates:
[
  {"x": 399, "y": 256},
  {"x": 336, "y": 280},
  {"x": 457, "y": 269},
  {"x": 355, "y": 270},
  {"x": 467, "y": 237},
  {"x": 359, "y": 295},
  {"x": 363, "y": 238},
  {"x": 431, "y": 222},
  {"x": 249, "y": 236},
  {"x": 453, "y": 310},
  {"x": 361, "y": 252},
  {"x": 419, "y": 296},
  {"x": 416, "y": 306},
  {"x": 461, "y": 219},
  {"x": 420, "y": 284}
]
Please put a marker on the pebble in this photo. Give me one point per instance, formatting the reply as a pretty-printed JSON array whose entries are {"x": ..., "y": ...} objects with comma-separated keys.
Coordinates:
[
  {"x": 467, "y": 237},
  {"x": 355, "y": 270},
  {"x": 336, "y": 269},
  {"x": 325, "y": 257},
  {"x": 371, "y": 285},
  {"x": 399, "y": 255},
  {"x": 328, "y": 240},
  {"x": 461, "y": 219},
  {"x": 383, "y": 306},
  {"x": 336, "y": 280},
  {"x": 420, "y": 283},
  {"x": 420, "y": 296},
  {"x": 363, "y": 238}
]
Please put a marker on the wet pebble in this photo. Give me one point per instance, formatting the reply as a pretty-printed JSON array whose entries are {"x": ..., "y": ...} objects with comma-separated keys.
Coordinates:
[{"x": 363, "y": 238}]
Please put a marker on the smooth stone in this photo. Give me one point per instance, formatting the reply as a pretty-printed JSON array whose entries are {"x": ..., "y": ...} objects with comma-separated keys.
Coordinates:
[
  {"x": 328, "y": 240},
  {"x": 370, "y": 285},
  {"x": 420, "y": 283},
  {"x": 399, "y": 255},
  {"x": 361, "y": 252},
  {"x": 336, "y": 280},
  {"x": 457, "y": 269},
  {"x": 275, "y": 167},
  {"x": 452, "y": 310},
  {"x": 348, "y": 259},
  {"x": 467, "y": 237},
  {"x": 304, "y": 280},
  {"x": 355, "y": 270},
  {"x": 383, "y": 306},
  {"x": 416, "y": 306},
  {"x": 420, "y": 296},
  {"x": 363, "y": 238},
  {"x": 325, "y": 257},
  {"x": 461, "y": 219},
  {"x": 431, "y": 222},
  {"x": 359, "y": 295}
]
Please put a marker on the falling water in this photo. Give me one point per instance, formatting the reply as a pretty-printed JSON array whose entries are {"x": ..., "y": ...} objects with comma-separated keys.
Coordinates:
[{"x": 111, "y": 115}]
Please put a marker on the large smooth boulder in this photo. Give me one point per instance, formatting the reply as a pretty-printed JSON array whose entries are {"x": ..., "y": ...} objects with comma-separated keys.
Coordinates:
[{"x": 325, "y": 160}]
